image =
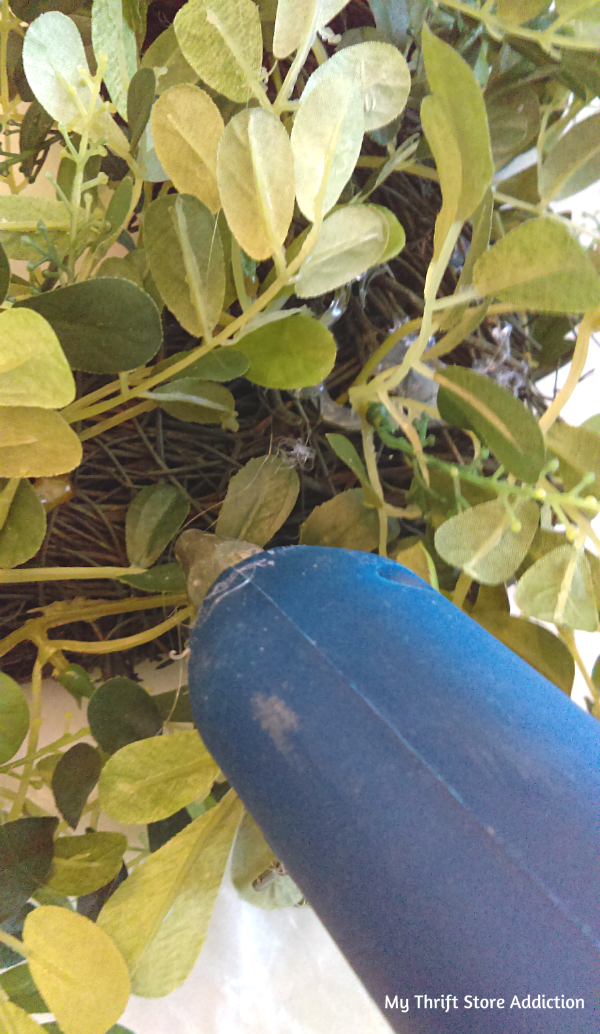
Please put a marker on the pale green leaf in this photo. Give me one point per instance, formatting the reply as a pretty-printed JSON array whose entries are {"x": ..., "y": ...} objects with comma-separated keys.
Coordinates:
[
  {"x": 343, "y": 521},
  {"x": 114, "y": 39},
  {"x": 53, "y": 53},
  {"x": 443, "y": 144},
  {"x": 151, "y": 779},
  {"x": 350, "y": 241},
  {"x": 573, "y": 163},
  {"x": 159, "y": 916},
  {"x": 33, "y": 367},
  {"x": 221, "y": 40},
  {"x": 167, "y": 62},
  {"x": 253, "y": 872},
  {"x": 344, "y": 448},
  {"x": 578, "y": 450},
  {"x": 36, "y": 443},
  {"x": 255, "y": 171},
  {"x": 558, "y": 588},
  {"x": 185, "y": 253},
  {"x": 14, "y": 1020},
  {"x": 299, "y": 20},
  {"x": 483, "y": 542},
  {"x": 473, "y": 401},
  {"x": 14, "y": 717},
  {"x": 381, "y": 74},
  {"x": 539, "y": 266},
  {"x": 396, "y": 234},
  {"x": 197, "y": 401},
  {"x": 83, "y": 864},
  {"x": 153, "y": 519},
  {"x": 326, "y": 141},
  {"x": 289, "y": 353},
  {"x": 64, "y": 950},
  {"x": 19, "y": 217},
  {"x": 534, "y": 644},
  {"x": 22, "y": 522},
  {"x": 592, "y": 423},
  {"x": 186, "y": 128},
  {"x": 259, "y": 499}
]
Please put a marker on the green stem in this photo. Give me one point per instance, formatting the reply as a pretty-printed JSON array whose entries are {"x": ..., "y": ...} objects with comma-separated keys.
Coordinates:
[
  {"x": 50, "y": 748},
  {"x": 15, "y": 945},
  {"x": 53, "y": 574},
  {"x": 546, "y": 38},
  {"x": 295, "y": 68},
  {"x": 34, "y": 732},
  {"x": 575, "y": 371}
]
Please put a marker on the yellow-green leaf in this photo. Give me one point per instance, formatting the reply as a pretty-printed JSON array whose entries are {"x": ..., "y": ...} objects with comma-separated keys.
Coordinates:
[
  {"x": 19, "y": 217},
  {"x": 344, "y": 448},
  {"x": 159, "y": 916},
  {"x": 197, "y": 401},
  {"x": 259, "y": 499},
  {"x": 416, "y": 558},
  {"x": 343, "y": 521},
  {"x": 559, "y": 588},
  {"x": 222, "y": 40},
  {"x": 16, "y": 1021},
  {"x": 186, "y": 128},
  {"x": 22, "y": 522},
  {"x": 351, "y": 240},
  {"x": 151, "y": 779},
  {"x": 381, "y": 74},
  {"x": 83, "y": 864},
  {"x": 326, "y": 141},
  {"x": 33, "y": 367},
  {"x": 64, "y": 950},
  {"x": 36, "y": 443},
  {"x": 115, "y": 39},
  {"x": 255, "y": 171},
  {"x": 573, "y": 163},
  {"x": 539, "y": 266},
  {"x": 517, "y": 12},
  {"x": 396, "y": 235},
  {"x": 483, "y": 542},
  {"x": 534, "y": 644},
  {"x": 445, "y": 149},
  {"x": 578, "y": 451},
  {"x": 14, "y": 717},
  {"x": 288, "y": 353},
  {"x": 299, "y": 20}
]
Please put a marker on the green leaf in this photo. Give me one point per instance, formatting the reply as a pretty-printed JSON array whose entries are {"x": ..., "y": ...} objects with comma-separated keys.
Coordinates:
[
  {"x": 104, "y": 325},
  {"x": 18, "y": 983},
  {"x": 252, "y": 858},
  {"x": 36, "y": 443},
  {"x": 163, "y": 578},
  {"x": 174, "y": 705},
  {"x": 514, "y": 120},
  {"x": 222, "y": 364},
  {"x": 396, "y": 234},
  {"x": 186, "y": 128},
  {"x": 85, "y": 997},
  {"x": 4, "y": 274},
  {"x": 140, "y": 98},
  {"x": 255, "y": 172},
  {"x": 28, "y": 10},
  {"x": 159, "y": 916},
  {"x": 185, "y": 253},
  {"x": 117, "y": 1028},
  {"x": 83, "y": 864},
  {"x": 416, "y": 558},
  {"x": 556, "y": 340},
  {"x": 20, "y": 217},
  {"x": 14, "y": 717},
  {"x": 343, "y": 521},
  {"x": 33, "y": 367},
  {"x": 482, "y": 541},
  {"x": 500, "y": 420},
  {"x": 592, "y": 423},
  {"x": 259, "y": 500},
  {"x": 534, "y": 644},
  {"x": 73, "y": 779},
  {"x": 344, "y": 448},
  {"x": 22, "y": 522},
  {"x": 153, "y": 519},
  {"x": 197, "y": 402},
  {"x": 594, "y": 705},
  {"x": 539, "y": 266},
  {"x": 204, "y": 557},
  {"x": 165, "y": 59},
  {"x": 298, "y": 20},
  {"x": 559, "y": 589},
  {"x": 151, "y": 779},
  {"x": 518, "y": 12},
  {"x": 118, "y": 206},
  {"x": 351, "y": 240},
  {"x": 113, "y": 38},
  {"x": 289, "y": 353},
  {"x": 221, "y": 39},
  {"x": 578, "y": 451},
  {"x": 480, "y": 239},
  {"x": 16, "y": 1021},
  {"x": 77, "y": 682},
  {"x": 121, "y": 712},
  {"x": 326, "y": 141},
  {"x": 133, "y": 266},
  {"x": 53, "y": 53},
  {"x": 381, "y": 73},
  {"x": 26, "y": 847},
  {"x": 14, "y": 927}
]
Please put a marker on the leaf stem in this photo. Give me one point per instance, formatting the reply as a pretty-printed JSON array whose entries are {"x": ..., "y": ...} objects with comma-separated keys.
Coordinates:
[
  {"x": 128, "y": 642},
  {"x": 32, "y": 743},
  {"x": 578, "y": 361}
]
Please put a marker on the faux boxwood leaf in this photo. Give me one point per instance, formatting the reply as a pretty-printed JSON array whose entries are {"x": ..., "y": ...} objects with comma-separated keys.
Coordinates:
[
  {"x": 14, "y": 717},
  {"x": 259, "y": 499},
  {"x": 221, "y": 39},
  {"x": 166, "y": 60},
  {"x": 33, "y": 367},
  {"x": 573, "y": 163},
  {"x": 19, "y": 218},
  {"x": 174, "y": 705},
  {"x": 381, "y": 73},
  {"x": 344, "y": 448},
  {"x": 119, "y": 205},
  {"x": 53, "y": 53},
  {"x": 251, "y": 857},
  {"x": 22, "y": 522},
  {"x": 295, "y": 20},
  {"x": 14, "y": 927},
  {"x": 26, "y": 847},
  {"x": 104, "y": 325},
  {"x": 290, "y": 353},
  {"x": 482, "y": 542},
  {"x": 85, "y": 997},
  {"x": 149, "y": 780},
  {"x": 396, "y": 235},
  {"x": 255, "y": 173},
  {"x": 205, "y": 556},
  {"x": 18, "y": 983},
  {"x": 159, "y": 916},
  {"x": 121, "y": 712},
  {"x": 343, "y": 521},
  {"x": 558, "y": 588},
  {"x": 73, "y": 779},
  {"x": 186, "y": 128},
  {"x": 77, "y": 682},
  {"x": 539, "y": 266},
  {"x": 36, "y": 443},
  {"x": 113, "y": 37},
  {"x": 536, "y": 645},
  {"x": 578, "y": 450},
  {"x": 350, "y": 241},
  {"x": 4, "y": 274},
  {"x": 222, "y": 364},
  {"x": 197, "y": 402},
  {"x": 83, "y": 864},
  {"x": 153, "y": 519},
  {"x": 140, "y": 98},
  {"x": 500, "y": 420},
  {"x": 162, "y": 578}
]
